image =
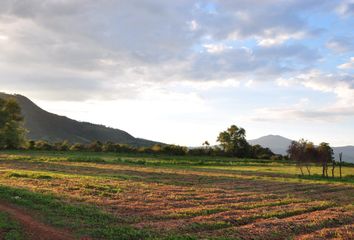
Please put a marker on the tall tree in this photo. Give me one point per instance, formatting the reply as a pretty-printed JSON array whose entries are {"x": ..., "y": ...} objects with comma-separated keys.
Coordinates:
[
  {"x": 310, "y": 155},
  {"x": 296, "y": 153},
  {"x": 12, "y": 133},
  {"x": 234, "y": 142},
  {"x": 325, "y": 156}
]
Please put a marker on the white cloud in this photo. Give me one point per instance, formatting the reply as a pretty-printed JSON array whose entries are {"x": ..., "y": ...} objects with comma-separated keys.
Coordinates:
[
  {"x": 216, "y": 48},
  {"x": 108, "y": 49},
  {"x": 3, "y": 37},
  {"x": 295, "y": 114},
  {"x": 348, "y": 65},
  {"x": 342, "y": 86},
  {"x": 193, "y": 25},
  {"x": 209, "y": 85},
  {"x": 272, "y": 37},
  {"x": 346, "y": 8},
  {"x": 341, "y": 44}
]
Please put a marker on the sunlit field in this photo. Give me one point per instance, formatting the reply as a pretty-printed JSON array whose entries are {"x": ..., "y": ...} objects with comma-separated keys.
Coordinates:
[{"x": 110, "y": 196}]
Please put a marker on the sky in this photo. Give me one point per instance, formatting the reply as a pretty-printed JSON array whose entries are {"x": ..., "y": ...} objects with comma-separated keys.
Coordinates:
[{"x": 182, "y": 71}]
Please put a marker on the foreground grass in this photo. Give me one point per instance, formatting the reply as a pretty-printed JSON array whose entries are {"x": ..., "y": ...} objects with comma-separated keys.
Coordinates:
[
  {"x": 82, "y": 219},
  {"x": 110, "y": 196},
  {"x": 9, "y": 229},
  {"x": 285, "y": 167}
]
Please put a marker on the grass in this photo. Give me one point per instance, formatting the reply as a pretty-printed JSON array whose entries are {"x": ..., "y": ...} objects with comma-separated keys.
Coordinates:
[
  {"x": 9, "y": 229},
  {"x": 127, "y": 196},
  {"x": 25, "y": 175},
  {"x": 83, "y": 219}
]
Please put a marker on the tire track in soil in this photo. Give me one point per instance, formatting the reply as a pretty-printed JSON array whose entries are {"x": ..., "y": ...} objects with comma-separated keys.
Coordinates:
[{"x": 33, "y": 229}]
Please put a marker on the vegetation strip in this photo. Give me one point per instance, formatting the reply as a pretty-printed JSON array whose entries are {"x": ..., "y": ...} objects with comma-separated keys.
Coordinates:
[
  {"x": 82, "y": 219},
  {"x": 170, "y": 201}
]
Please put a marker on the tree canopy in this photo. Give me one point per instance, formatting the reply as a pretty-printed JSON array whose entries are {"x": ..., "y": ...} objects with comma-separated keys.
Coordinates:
[
  {"x": 11, "y": 130},
  {"x": 234, "y": 142},
  {"x": 306, "y": 154}
]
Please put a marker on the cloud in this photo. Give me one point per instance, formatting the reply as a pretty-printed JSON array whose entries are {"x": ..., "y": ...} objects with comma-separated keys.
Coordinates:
[
  {"x": 348, "y": 65},
  {"x": 346, "y": 8},
  {"x": 295, "y": 114},
  {"x": 272, "y": 38},
  {"x": 341, "y": 85},
  {"x": 116, "y": 49},
  {"x": 216, "y": 48},
  {"x": 341, "y": 44}
]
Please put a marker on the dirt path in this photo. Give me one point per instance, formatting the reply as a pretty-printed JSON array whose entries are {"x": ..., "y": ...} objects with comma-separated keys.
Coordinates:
[{"x": 34, "y": 229}]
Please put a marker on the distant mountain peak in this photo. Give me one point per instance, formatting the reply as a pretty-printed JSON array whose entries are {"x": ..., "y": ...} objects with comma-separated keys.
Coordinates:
[{"x": 279, "y": 144}]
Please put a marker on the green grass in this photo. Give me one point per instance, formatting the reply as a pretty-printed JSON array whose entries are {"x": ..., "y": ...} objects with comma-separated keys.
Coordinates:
[
  {"x": 27, "y": 175},
  {"x": 205, "y": 226},
  {"x": 10, "y": 229},
  {"x": 193, "y": 213},
  {"x": 257, "y": 167},
  {"x": 82, "y": 219},
  {"x": 100, "y": 194},
  {"x": 89, "y": 159}
]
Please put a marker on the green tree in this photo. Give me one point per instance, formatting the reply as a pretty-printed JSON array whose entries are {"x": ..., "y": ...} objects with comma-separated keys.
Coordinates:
[
  {"x": 95, "y": 146},
  {"x": 325, "y": 156},
  {"x": 12, "y": 133},
  {"x": 296, "y": 152},
  {"x": 259, "y": 152},
  {"x": 43, "y": 145},
  {"x": 108, "y": 147},
  {"x": 310, "y": 157},
  {"x": 233, "y": 141}
]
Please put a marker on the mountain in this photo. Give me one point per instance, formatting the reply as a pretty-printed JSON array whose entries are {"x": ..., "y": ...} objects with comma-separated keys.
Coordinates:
[
  {"x": 279, "y": 145},
  {"x": 348, "y": 153},
  {"x": 42, "y": 125},
  {"x": 276, "y": 143}
]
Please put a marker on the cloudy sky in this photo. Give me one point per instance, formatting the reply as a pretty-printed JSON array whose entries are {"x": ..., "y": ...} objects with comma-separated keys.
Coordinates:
[{"x": 182, "y": 71}]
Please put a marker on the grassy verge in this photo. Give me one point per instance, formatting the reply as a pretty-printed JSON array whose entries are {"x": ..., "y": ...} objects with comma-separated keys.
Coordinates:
[
  {"x": 83, "y": 220},
  {"x": 9, "y": 229}
]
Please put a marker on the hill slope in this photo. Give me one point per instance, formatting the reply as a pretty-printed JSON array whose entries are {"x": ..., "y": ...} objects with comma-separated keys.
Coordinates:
[
  {"x": 348, "y": 153},
  {"x": 276, "y": 143},
  {"x": 53, "y": 128},
  {"x": 279, "y": 145}
]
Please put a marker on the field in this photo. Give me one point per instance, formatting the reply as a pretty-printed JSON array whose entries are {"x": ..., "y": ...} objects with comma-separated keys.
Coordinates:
[{"x": 53, "y": 195}]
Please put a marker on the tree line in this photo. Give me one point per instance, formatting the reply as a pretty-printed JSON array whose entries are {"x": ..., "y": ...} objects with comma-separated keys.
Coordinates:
[
  {"x": 12, "y": 133},
  {"x": 306, "y": 155},
  {"x": 232, "y": 141},
  {"x": 168, "y": 149}
]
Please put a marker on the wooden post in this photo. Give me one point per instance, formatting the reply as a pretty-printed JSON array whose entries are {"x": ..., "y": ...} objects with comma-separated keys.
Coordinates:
[{"x": 340, "y": 164}]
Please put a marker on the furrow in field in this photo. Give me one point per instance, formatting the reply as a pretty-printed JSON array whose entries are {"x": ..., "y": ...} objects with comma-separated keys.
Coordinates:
[{"x": 285, "y": 228}]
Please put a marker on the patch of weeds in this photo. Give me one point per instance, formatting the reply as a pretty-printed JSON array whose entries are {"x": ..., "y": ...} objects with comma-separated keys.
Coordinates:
[
  {"x": 102, "y": 190},
  {"x": 206, "y": 226},
  {"x": 196, "y": 212},
  {"x": 83, "y": 219},
  {"x": 120, "y": 233},
  {"x": 86, "y": 159},
  {"x": 10, "y": 230},
  {"x": 294, "y": 212},
  {"x": 131, "y": 161},
  {"x": 269, "y": 204},
  {"x": 282, "y": 214},
  {"x": 175, "y": 237},
  {"x": 345, "y": 179},
  {"x": 27, "y": 175}
]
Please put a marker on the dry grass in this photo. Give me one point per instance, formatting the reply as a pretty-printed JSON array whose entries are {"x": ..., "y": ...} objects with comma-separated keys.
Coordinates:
[{"x": 200, "y": 202}]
